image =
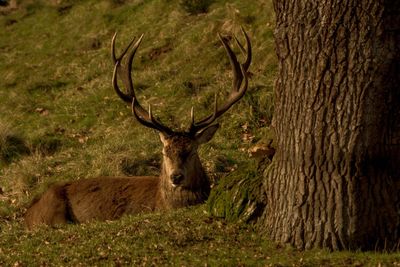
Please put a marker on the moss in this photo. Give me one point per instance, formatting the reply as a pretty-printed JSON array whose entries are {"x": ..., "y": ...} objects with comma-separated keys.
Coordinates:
[{"x": 238, "y": 196}]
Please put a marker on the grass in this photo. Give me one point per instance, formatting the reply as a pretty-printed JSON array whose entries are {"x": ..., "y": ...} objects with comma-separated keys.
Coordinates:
[
  {"x": 186, "y": 237},
  {"x": 60, "y": 120}
]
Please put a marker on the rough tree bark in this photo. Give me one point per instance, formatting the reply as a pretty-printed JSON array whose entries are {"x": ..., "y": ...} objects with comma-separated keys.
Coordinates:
[{"x": 335, "y": 179}]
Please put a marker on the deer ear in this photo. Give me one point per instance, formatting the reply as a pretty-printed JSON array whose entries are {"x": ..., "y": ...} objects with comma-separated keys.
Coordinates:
[
  {"x": 206, "y": 135},
  {"x": 163, "y": 138}
]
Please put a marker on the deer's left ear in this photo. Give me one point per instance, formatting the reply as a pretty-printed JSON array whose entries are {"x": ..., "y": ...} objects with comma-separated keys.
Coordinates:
[{"x": 206, "y": 135}]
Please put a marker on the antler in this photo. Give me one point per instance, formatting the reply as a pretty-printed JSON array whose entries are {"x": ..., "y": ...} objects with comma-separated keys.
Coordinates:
[
  {"x": 238, "y": 89},
  {"x": 146, "y": 118},
  {"x": 239, "y": 85}
]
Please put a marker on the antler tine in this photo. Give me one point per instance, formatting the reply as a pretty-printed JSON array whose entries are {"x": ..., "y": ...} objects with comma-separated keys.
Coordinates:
[
  {"x": 237, "y": 76},
  {"x": 247, "y": 62},
  {"x": 239, "y": 84},
  {"x": 128, "y": 67},
  {"x": 114, "y": 58},
  {"x": 123, "y": 96},
  {"x": 192, "y": 116},
  {"x": 117, "y": 64}
]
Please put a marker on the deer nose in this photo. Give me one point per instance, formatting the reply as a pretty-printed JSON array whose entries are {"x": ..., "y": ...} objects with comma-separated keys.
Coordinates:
[{"x": 177, "y": 178}]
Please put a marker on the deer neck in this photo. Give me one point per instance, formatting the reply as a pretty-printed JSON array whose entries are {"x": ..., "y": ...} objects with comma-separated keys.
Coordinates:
[{"x": 181, "y": 196}]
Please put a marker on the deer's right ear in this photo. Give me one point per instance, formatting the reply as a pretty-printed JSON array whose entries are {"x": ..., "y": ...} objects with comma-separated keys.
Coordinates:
[
  {"x": 163, "y": 138},
  {"x": 206, "y": 135}
]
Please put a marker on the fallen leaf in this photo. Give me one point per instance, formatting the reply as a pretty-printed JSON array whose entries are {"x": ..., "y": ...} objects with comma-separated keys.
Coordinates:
[
  {"x": 261, "y": 150},
  {"x": 42, "y": 111}
]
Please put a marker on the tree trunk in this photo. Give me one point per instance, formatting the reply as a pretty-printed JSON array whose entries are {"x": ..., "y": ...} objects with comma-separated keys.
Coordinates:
[{"x": 335, "y": 179}]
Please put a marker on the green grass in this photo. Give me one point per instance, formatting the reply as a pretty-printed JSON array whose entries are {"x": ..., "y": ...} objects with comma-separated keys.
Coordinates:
[
  {"x": 186, "y": 237},
  {"x": 60, "y": 120}
]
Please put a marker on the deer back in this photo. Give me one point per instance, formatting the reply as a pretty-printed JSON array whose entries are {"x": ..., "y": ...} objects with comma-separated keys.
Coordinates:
[
  {"x": 106, "y": 198},
  {"x": 102, "y": 198}
]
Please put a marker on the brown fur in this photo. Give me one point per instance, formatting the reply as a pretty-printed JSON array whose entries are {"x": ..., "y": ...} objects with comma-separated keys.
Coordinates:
[
  {"x": 102, "y": 198},
  {"x": 108, "y": 198}
]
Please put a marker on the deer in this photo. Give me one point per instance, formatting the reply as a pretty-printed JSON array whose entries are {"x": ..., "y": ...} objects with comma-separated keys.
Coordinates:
[{"x": 182, "y": 181}]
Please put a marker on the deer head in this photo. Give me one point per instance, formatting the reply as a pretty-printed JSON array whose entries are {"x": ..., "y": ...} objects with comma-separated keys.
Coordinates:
[{"x": 181, "y": 165}]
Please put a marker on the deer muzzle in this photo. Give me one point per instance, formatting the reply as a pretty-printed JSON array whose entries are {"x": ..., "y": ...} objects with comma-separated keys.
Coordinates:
[{"x": 176, "y": 179}]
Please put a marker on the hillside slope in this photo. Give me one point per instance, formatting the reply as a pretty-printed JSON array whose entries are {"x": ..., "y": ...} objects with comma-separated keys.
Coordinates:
[{"x": 60, "y": 118}]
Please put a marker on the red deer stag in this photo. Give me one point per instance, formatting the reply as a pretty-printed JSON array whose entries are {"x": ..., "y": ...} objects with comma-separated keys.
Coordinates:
[{"x": 182, "y": 181}]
